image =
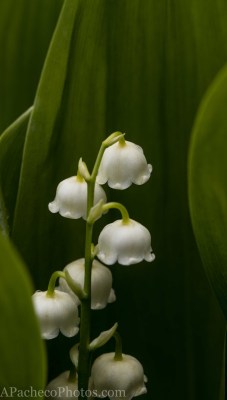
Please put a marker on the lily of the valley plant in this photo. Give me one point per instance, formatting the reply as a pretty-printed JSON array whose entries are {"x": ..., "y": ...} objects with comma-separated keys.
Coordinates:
[{"x": 86, "y": 284}]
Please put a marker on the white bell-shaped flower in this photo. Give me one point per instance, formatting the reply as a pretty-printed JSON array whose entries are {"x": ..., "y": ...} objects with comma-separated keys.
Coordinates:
[
  {"x": 71, "y": 198},
  {"x": 56, "y": 312},
  {"x": 122, "y": 164},
  {"x": 125, "y": 243},
  {"x": 123, "y": 379},
  {"x": 101, "y": 283},
  {"x": 62, "y": 388}
]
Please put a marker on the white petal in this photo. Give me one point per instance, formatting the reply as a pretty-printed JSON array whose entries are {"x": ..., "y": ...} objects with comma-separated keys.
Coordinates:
[
  {"x": 112, "y": 296},
  {"x": 126, "y": 243},
  {"x": 69, "y": 330},
  {"x": 53, "y": 207},
  {"x": 144, "y": 175},
  {"x": 126, "y": 375},
  {"x": 60, "y": 387},
  {"x": 123, "y": 165},
  {"x": 56, "y": 313},
  {"x": 71, "y": 198},
  {"x": 101, "y": 282}
]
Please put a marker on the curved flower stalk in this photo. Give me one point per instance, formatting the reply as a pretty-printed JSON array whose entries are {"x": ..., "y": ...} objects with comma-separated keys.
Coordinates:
[
  {"x": 101, "y": 283},
  {"x": 71, "y": 198},
  {"x": 124, "y": 242},
  {"x": 56, "y": 312},
  {"x": 63, "y": 387},
  {"x": 124, "y": 377},
  {"x": 122, "y": 164}
]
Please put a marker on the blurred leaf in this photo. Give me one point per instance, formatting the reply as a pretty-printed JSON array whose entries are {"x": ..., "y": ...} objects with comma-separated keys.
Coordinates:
[
  {"x": 11, "y": 150},
  {"x": 22, "y": 353},
  {"x": 26, "y": 28},
  {"x": 208, "y": 185},
  {"x": 4, "y": 228}
]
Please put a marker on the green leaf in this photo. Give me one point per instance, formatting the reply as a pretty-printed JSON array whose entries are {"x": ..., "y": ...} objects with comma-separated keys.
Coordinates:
[
  {"x": 208, "y": 185},
  {"x": 42, "y": 147},
  {"x": 26, "y": 28},
  {"x": 53, "y": 142},
  {"x": 11, "y": 151},
  {"x": 22, "y": 354}
]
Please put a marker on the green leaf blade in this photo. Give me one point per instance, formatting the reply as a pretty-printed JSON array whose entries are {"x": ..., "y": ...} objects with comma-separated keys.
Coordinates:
[
  {"x": 22, "y": 352},
  {"x": 11, "y": 152},
  {"x": 208, "y": 185}
]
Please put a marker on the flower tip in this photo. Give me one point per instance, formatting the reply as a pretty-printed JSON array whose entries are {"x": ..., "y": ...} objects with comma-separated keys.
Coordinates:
[
  {"x": 70, "y": 332},
  {"x": 53, "y": 207},
  {"x": 150, "y": 257},
  {"x": 119, "y": 185},
  {"x": 83, "y": 170},
  {"x": 112, "y": 296},
  {"x": 143, "y": 390}
]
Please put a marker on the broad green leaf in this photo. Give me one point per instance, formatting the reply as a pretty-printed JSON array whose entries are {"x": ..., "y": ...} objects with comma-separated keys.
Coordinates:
[
  {"x": 11, "y": 150},
  {"x": 208, "y": 185},
  {"x": 52, "y": 142},
  {"x": 22, "y": 354}
]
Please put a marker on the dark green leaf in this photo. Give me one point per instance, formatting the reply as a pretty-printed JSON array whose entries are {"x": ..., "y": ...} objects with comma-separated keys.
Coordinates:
[
  {"x": 208, "y": 185},
  {"x": 25, "y": 32},
  {"x": 11, "y": 151},
  {"x": 22, "y": 354}
]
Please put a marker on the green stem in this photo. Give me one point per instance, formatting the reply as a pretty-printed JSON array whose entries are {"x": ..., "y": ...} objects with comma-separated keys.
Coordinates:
[
  {"x": 120, "y": 207},
  {"x": 98, "y": 162},
  {"x": 72, "y": 375},
  {"x": 118, "y": 347},
  {"x": 122, "y": 141},
  {"x": 85, "y": 317},
  {"x": 113, "y": 138},
  {"x": 84, "y": 353},
  {"x": 52, "y": 282}
]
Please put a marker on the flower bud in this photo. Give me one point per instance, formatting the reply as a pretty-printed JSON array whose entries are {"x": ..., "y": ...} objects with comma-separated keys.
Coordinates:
[
  {"x": 71, "y": 198},
  {"x": 110, "y": 375},
  {"x": 122, "y": 164},
  {"x": 56, "y": 312},
  {"x": 103, "y": 338},
  {"x": 101, "y": 283},
  {"x": 125, "y": 243}
]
